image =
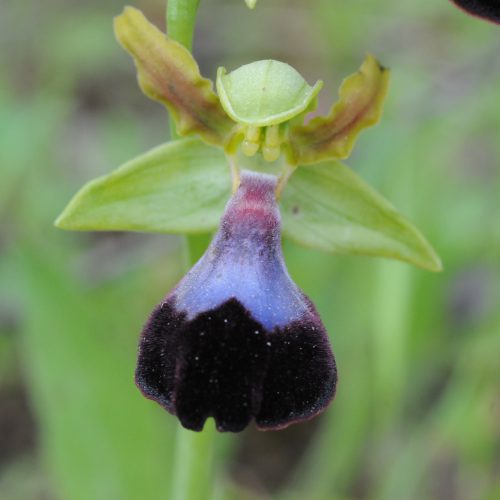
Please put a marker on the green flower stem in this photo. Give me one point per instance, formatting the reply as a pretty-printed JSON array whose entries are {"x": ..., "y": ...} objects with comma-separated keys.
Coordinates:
[
  {"x": 193, "y": 464},
  {"x": 192, "y": 477},
  {"x": 181, "y": 20}
]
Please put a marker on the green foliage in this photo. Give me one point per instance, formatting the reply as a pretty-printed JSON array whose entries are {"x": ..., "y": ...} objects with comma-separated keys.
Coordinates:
[{"x": 81, "y": 370}]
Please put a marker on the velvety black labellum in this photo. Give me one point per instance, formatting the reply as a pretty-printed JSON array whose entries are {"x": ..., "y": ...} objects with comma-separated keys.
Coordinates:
[
  {"x": 224, "y": 364},
  {"x": 236, "y": 339},
  {"x": 486, "y": 9}
]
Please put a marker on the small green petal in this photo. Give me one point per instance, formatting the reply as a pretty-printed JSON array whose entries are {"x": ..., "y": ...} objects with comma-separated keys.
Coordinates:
[
  {"x": 168, "y": 73},
  {"x": 264, "y": 93},
  {"x": 251, "y": 3},
  {"x": 360, "y": 105}
]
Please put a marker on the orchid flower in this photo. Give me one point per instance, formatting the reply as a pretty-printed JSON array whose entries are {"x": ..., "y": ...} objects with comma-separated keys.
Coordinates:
[{"x": 236, "y": 339}]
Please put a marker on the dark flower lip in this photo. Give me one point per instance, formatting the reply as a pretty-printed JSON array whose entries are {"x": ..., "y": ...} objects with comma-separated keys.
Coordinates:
[
  {"x": 236, "y": 339},
  {"x": 224, "y": 364},
  {"x": 484, "y": 9}
]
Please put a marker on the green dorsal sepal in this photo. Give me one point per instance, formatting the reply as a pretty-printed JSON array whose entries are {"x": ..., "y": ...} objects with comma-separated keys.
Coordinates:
[{"x": 264, "y": 93}]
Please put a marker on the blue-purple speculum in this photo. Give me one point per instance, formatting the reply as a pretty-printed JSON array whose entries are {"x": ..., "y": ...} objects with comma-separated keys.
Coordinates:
[{"x": 236, "y": 339}]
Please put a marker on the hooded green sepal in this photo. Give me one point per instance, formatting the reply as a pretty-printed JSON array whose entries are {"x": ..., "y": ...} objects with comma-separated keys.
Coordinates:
[
  {"x": 261, "y": 97},
  {"x": 361, "y": 98},
  {"x": 328, "y": 207},
  {"x": 251, "y": 3},
  {"x": 179, "y": 187},
  {"x": 168, "y": 73},
  {"x": 264, "y": 93}
]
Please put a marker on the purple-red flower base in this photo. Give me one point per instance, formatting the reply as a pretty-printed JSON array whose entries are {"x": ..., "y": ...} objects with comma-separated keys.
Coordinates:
[{"x": 485, "y": 9}]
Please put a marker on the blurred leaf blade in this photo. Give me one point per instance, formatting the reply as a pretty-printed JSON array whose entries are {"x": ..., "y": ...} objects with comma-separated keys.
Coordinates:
[
  {"x": 328, "y": 207},
  {"x": 178, "y": 187},
  {"x": 81, "y": 381}
]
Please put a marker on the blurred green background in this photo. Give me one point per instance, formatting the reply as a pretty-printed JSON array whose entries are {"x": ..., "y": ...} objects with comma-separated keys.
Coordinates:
[{"x": 417, "y": 415}]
